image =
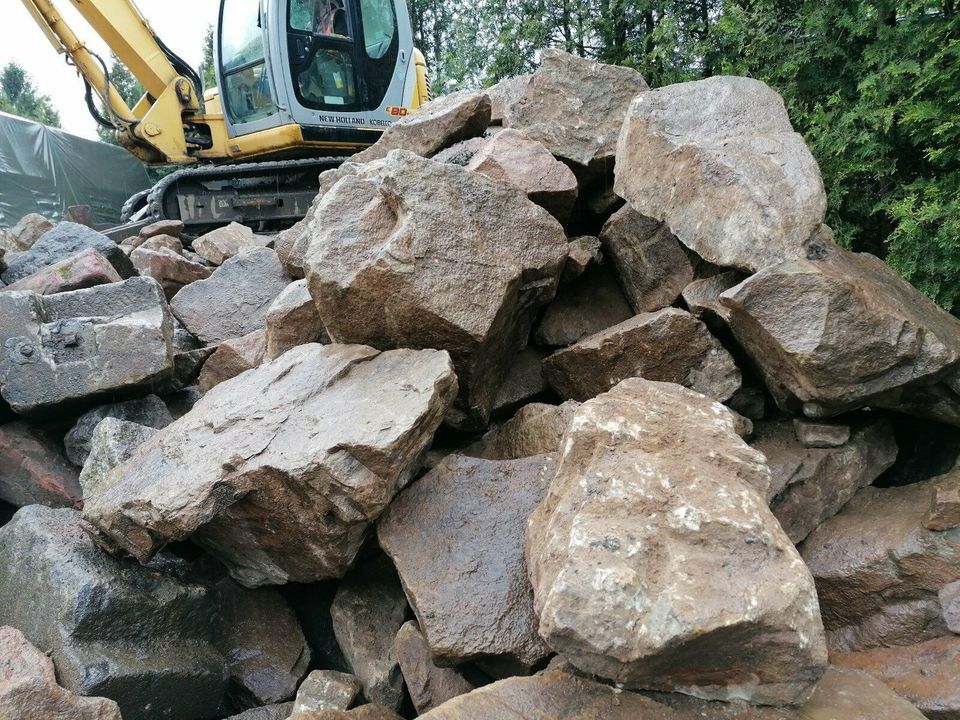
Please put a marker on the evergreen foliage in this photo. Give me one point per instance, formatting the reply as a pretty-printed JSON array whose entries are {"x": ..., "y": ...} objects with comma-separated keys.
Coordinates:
[{"x": 19, "y": 96}]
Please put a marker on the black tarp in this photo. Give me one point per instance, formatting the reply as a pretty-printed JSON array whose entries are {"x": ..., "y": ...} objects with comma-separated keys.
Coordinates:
[{"x": 47, "y": 171}]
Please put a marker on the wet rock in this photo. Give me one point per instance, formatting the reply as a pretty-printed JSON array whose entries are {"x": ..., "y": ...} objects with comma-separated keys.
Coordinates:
[
  {"x": 536, "y": 429},
  {"x": 465, "y": 262},
  {"x": 136, "y": 635},
  {"x": 548, "y": 696},
  {"x": 173, "y": 228},
  {"x": 649, "y": 260},
  {"x": 811, "y": 484},
  {"x": 456, "y": 537},
  {"x": 722, "y": 149},
  {"x": 112, "y": 443},
  {"x": 233, "y": 357},
  {"x": 944, "y": 508},
  {"x": 927, "y": 674},
  {"x": 219, "y": 245},
  {"x": 435, "y": 126},
  {"x": 271, "y": 507},
  {"x": 234, "y": 301},
  {"x": 368, "y": 611},
  {"x": 281, "y": 711},
  {"x": 864, "y": 335},
  {"x": 63, "y": 242},
  {"x": 703, "y": 296},
  {"x": 950, "y": 606},
  {"x": 293, "y": 320},
  {"x": 84, "y": 270},
  {"x": 429, "y": 685},
  {"x": 512, "y": 157},
  {"x": 33, "y": 469},
  {"x": 71, "y": 347},
  {"x": 172, "y": 270},
  {"x": 150, "y": 411},
  {"x": 28, "y": 686},
  {"x": 523, "y": 383},
  {"x": 29, "y": 229},
  {"x": 326, "y": 690},
  {"x": 591, "y": 304},
  {"x": 575, "y": 107},
  {"x": 617, "y": 547},
  {"x": 879, "y": 570},
  {"x": 821, "y": 435},
  {"x": 666, "y": 346}
]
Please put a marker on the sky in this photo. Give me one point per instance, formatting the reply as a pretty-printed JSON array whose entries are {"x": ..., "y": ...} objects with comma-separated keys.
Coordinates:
[{"x": 181, "y": 24}]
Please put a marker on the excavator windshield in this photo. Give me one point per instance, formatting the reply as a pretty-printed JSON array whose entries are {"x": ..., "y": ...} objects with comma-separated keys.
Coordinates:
[{"x": 246, "y": 80}]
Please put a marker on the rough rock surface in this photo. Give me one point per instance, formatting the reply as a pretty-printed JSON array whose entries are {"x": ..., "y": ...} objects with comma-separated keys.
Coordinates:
[
  {"x": 667, "y": 346},
  {"x": 233, "y": 357},
  {"x": 722, "y": 149},
  {"x": 927, "y": 674},
  {"x": 503, "y": 94},
  {"x": 950, "y": 606},
  {"x": 33, "y": 469},
  {"x": 863, "y": 336},
  {"x": 173, "y": 228},
  {"x": 270, "y": 506},
  {"x": 536, "y": 429},
  {"x": 944, "y": 508},
  {"x": 293, "y": 320},
  {"x": 465, "y": 261},
  {"x": 435, "y": 126},
  {"x": 28, "y": 686},
  {"x": 112, "y": 444},
  {"x": 456, "y": 537},
  {"x": 429, "y": 685},
  {"x": 114, "y": 629},
  {"x": 368, "y": 611},
  {"x": 575, "y": 107},
  {"x": 29, "y": 229},
  {"x": 813, "y": 484},
  {"x": 220, "y": 245},
  {"x": 63, "y": 242},
  {"x": 326, "y": 690},
  {"x": 821, "y": 435},
  {"x": 234, "y": 301},
  {"x": 591, "y": 304},
  {"x": 523, "y": 382},
  {"x": 169, "y": 268},
  {"x": 549, "y": 696},
  {"x": 703, "y": 296},
  {"x": 511, "y": 156},
  {"x": 582, "y": 252},
  {"x": 279, "y": 711},
  {"x": 364, "y": 712},
  {"x": 61, "y": 349},
  {"x": 84, "y": 270},
  {"x": 879, "y": 570},
  {"x": 660, "y": 566},
  {"x": 650, "y": 262},
  {"x": 150, "y": 411}
]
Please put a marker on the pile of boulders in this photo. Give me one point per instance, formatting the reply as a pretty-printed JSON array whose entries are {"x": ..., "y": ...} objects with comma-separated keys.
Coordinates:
[{"x": 561, "y": 402}]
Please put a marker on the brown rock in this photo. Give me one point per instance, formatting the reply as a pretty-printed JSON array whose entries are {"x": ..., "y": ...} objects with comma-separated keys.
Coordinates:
[
  {"x": 84, "y": 270},
  {"x": 429, "y": 685},
  {"x": 33, "y": 470},
  {"x": 462, "y": 153},
  {"x": 291, "y": 245},
  {"x": 821, "y": 435},
  {"x": 719, "y": 162},
  {"x": 589, "y": 305},
  {"x": 879, "y": 570},
  {"x": 703, "y": 296},
  {"x": 456, "y": 537},
  {"x": 233, "y": 357},
  {"x": 512, "y": 157},
  {"x": 364, "y": 712},
  {"x": 809, "y": 484},
  {"x": 864, "y": 335},
  {"x": 237, "y": 475},
  {"x": 29, "y": 229},
  {"x": 438, "y": 257},
  {"x": 29, "y": 690},
  {"x": 666, "y": 346},
  {"x": 219, "y": 245},
  {"x": 944, "y": 508},
  {"x": 575, "y": 107},
  {"x": 523, "y": 382},
  {"x": 927, "y": 674},
  {"x": 171, "y": 270},
  {"x": 649, "y": 260},
  {"x": 949, "y": 596},
  {"x": 293, "y": 320},
  {"x": 326, "y": 690},
  {"x": 535, "y": 430},
  {"x": 435, "y": 126},
  {"x": 582, "y": 253},
  {"x": 659, "y": 565},
  {"x": 162, "y": 242},
  {"x": 172, "y": 228},
  {"x": 267, "y": 712},
  {"x": 503, "y": 94}
]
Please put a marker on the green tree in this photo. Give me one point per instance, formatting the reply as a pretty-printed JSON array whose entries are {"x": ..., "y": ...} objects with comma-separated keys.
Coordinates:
[
  {"x": 128, "y": 87},
  {"x": 19, "y": 96},
  {"x": 208, "y": 69}
]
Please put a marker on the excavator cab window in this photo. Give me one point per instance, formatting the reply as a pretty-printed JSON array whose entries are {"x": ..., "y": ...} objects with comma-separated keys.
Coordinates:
[{"x": 247, "y": 88}]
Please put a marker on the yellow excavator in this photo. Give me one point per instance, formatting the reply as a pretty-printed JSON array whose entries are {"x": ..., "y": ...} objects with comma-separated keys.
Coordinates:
[{"x": 301, "y": 85}]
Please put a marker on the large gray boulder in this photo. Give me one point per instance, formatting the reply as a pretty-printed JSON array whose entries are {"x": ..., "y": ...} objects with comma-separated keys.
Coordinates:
[
  {"x": 668, "y": 346},
  {"x": 429, "y": 685},
  {"x": 62, "y": 242},
  {"x": 456, "y": 537},
  {"x": 293, "y": 320},
  {"x": 61, "y": 350},
  {"x": 137, "y": 635},
  {"x": 407, "y": 252},
  {"x": 659, "y": 566},
  {"x": 112, "y": 443},
  {"x": 279, "y": 472},
  {"x": 719, "y": 162},
  {"x": 863, "y": 337},
  {"x": 150, "y": 411}
]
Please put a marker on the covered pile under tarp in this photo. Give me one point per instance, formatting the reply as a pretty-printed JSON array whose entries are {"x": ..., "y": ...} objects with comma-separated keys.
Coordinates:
[{"x": 46, "y": 171}]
